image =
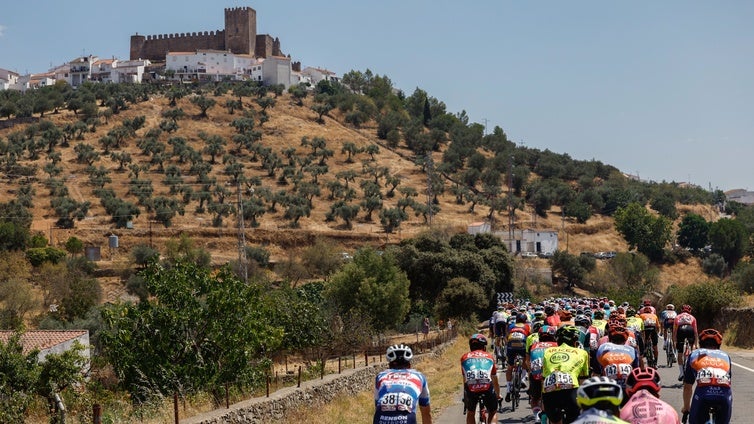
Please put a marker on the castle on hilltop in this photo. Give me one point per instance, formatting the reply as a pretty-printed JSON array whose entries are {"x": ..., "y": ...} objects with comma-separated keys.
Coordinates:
[{"x": 239, "y": 37}]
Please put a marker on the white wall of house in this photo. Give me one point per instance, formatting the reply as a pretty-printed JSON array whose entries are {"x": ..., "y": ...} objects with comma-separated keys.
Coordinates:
[
  {"x": 277, "y": 70},
  {"x": 318, "y": 74},
  {"x": 68, "y": 344},
  {"x": 478, "y": 227},
  {"x": 530, "y": 240},
  {"x": 80, "y": 70}
]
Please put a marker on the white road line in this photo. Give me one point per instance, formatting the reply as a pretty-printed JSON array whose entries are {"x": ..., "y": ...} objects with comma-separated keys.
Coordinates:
[{"x": 746, "y": 368}]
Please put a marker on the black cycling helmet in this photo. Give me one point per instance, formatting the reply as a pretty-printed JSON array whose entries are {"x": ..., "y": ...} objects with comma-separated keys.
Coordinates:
[
  {"x": 568, "y": 334},
  {"x": 521, "y": 318},
  {"x": 536, "y": 326},
  {"x": 598, "y": 314},
  {"x": 549, "y": 310},
  {"x": 478, "y": 342}
]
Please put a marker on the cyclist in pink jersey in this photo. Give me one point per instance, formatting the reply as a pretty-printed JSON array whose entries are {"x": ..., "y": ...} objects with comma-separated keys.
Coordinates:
[{"x": 644, "y": 405}]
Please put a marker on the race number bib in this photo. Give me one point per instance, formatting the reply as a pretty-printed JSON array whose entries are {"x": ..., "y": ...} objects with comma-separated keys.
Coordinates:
[
  {"x": 712, "y": 377},
  {"x": 536, "y": 366},
  {"x": 618, "y": 372},
  {"x": 474, "y": 377},
  {"x": 396, "y": 402},
  {"x": 558, "y": 381}
]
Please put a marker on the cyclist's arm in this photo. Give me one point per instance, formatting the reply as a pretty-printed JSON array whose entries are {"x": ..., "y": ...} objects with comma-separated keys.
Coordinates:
[
  {"x": 696, "y": 336},
  {"x": 426, "y": 413}
]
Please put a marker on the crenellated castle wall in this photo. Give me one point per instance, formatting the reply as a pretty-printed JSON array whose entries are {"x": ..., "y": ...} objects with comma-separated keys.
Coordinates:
[{"x": 239, "y": 37}]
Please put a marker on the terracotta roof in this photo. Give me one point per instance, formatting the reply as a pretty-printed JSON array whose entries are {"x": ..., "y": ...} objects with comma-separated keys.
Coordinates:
[{"x": 43, "y": 339}]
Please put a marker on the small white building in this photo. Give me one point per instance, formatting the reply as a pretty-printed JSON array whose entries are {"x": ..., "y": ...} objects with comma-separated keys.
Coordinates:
[
  {"x": 8, "y": 80},
  {"x": 212, "y": 65},
  {"x": 80, "y": 70},
  {"x": 530, "y": 240},
  {"x": 741, "y": 196},
  {"x": 480, "y": 227},
  {"x": 51, "y": 341},
  {"x": 277, "y": 70},
  {"x": 318, "y": 74}
]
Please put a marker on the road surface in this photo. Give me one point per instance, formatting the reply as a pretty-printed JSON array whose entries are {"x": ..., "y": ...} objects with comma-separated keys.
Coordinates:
[{"x": 672, "y": 392}]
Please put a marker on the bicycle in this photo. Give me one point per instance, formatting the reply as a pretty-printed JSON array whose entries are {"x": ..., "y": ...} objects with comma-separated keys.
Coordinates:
[
  {"x": 670, "y": 352},
  {"x": 649, "y": 352},
  {"x": 518, "y": 370}
]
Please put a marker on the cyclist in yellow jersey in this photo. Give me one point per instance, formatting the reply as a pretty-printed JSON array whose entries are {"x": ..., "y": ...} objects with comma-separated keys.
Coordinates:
[
  {"x": 635, "y": 324},
  {"x": 563, "y": 368},
  {"x": 599, "y": 321}
]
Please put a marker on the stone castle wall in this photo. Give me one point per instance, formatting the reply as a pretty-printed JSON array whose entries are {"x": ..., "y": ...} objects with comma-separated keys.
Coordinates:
[
  {"x": 239, "y": 36},
  {"x": 155, "y": 47}
]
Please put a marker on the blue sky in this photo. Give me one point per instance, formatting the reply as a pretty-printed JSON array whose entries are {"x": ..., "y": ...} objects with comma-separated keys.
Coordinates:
[{"x": 664, "y": 89}]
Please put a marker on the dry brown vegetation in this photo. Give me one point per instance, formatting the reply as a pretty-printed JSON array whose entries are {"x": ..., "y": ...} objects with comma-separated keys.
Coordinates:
[{"x": 287, "y": 125}]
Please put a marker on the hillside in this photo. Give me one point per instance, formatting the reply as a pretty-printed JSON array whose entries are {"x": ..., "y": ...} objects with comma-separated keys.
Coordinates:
[{"x": 288, "y": 124}]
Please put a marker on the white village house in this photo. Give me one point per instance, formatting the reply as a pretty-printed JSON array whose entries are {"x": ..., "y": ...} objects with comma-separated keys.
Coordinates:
[
  {"x": 51, "y": 341},
  {"x": 524, "y": 240}
]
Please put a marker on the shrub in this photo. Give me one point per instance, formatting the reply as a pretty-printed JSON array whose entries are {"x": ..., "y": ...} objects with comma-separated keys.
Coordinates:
[
  {"x": 743, "y": 276},
  {"x": 459, "y": 298},
  {"x": 714, "y": 265},
  {"x": 706, "y": 298},
  {"x": 39, "y": 255}
]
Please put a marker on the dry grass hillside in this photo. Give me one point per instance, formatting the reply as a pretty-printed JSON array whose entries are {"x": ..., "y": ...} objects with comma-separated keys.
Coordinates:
[{"x": 287, "y": 125}]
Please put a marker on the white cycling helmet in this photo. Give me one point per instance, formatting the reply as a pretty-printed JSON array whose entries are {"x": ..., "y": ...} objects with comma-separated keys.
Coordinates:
[
  {"x": 670, "y": 307},
  {"x": 399, "y": 352}
]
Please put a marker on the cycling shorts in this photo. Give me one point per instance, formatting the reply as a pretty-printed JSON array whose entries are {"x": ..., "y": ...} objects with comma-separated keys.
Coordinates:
[
  {"x": 652, "y": 334},
  {"x": 535, "y": 389},
  {"x": 685, "y": 332},
  {"x": 561, "y": 405},
  {"x": 471, "y": 399},
  {"x": 668, "y": 324},
  {"x": 500, "y": 329},
  {"x": 511, "y": 354},
  {"x": 721, "y": 398}
]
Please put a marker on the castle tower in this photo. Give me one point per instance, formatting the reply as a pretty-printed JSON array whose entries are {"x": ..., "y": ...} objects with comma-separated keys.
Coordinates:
[{"x": 241, "y": 30}]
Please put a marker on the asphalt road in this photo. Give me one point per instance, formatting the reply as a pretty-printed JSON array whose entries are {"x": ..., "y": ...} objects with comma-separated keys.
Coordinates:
[{"x": 672, "y": 392}]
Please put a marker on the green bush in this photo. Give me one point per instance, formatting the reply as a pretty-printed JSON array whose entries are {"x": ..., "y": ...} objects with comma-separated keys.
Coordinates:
[
  {"x": 743, "y": 276},
  {"x": 39, "y": 255},
  {"x": 460, "y": 298},
  {"x": 707, "y": 299}
]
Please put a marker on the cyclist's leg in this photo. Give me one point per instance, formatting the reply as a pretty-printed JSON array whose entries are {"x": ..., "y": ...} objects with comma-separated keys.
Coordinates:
[
  {"x": 571, "y": 409},
  {"x": 509, "y": 373},
  {"x": 470, "y": 403},
  {"x": 490, "y": 402}
]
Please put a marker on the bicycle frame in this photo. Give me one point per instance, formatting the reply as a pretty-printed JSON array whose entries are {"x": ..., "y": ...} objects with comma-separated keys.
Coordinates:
[{"x": 518, "y": 370}]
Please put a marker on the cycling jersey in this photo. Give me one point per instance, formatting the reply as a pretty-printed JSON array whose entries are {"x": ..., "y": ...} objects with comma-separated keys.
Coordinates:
[
  {"x": 651, "y": 322},
  {"x": 517, "y": 334},
  {"x": 667, "y": 317},
  {"x": 635, "y": 324},
  {"x": 478, "y": 367},
  {"x": 536, "y": 358},
  {"x": 616, "y": 361},
  {"x": 710, "y": 369},
  {"x": 562, "y": 366},
  {"x": 553, "y": 319},
  {"x": 645, "y": 408},
  {"x": 597, "y": 416},
  {"x": 600, "y": 325},
  {"x": 684, "y": 327},
  {"x": 530, "y": 340},
  {"x": 397, "y": 393}
]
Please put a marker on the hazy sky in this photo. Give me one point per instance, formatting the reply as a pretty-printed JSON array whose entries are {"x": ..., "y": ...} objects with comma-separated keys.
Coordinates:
[{"x": 664, "y": 88}]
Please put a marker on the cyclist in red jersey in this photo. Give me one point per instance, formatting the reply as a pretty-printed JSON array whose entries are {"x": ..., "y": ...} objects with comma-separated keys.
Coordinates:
[
  {"x": 684, "y": 328},
  {"x": 479, "y": 379},
  {"x": 644, "y": 405},
  {"x": 551, "y": 317}
]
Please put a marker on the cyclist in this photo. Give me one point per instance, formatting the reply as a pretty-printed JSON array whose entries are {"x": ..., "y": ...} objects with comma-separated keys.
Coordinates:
[
  {"x": 651, "y": 326},
  {"x": 615, "y": 358},
  {"x": 648, "y": 304},
  {"x": 599, "y": 399},
  {"x": 684, "y": 328},
  {"x": 599, "y": 322},
  {"x": 710, "y": 368},
  {"x": 515, "y": 344},
  {"x": 546, "y": 338},
  {"x": 399, "y": 389},
  {"x": 499, "y": 327},
  {"x": 551, "y": 318},
  {"x": 563, "y": 368},
  {"x": 635, "y": 325},
  {"x": 479, "y": 379},
  {"x": 667, "y": 317},
  {"x": 644, "y": 405}
]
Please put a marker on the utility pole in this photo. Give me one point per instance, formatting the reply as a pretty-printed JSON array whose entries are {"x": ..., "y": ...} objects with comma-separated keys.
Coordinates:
[
  {"x": 430, "y": 170},
  {"x": 510, "y": 205},
  {"x": 241, "y": 237}
]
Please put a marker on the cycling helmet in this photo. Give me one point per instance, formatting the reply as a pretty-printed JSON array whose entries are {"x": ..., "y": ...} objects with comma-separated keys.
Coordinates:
[
  {"x": 617, "y": 334},
  {"x": 670, "y": 307},
  {"x": 599, "y": 390},
  {"x": 399, "y": 353},
  {"x": 598, "y": 314},
  {"x": 521, "y": 318},
  {"x": 567, "y": 334},
  {"x": 548, "y": 333},
  {"x": 477, "y": 342},
  {"x": 536, "y": 326},
  {"x": 539, "y": 314},
  {"x": 630, "y": 312},
  {"x": 582, "y": 321},
  {"x": 686, "y": 308},
  {"x": 647, "y": 302},
  {"x": 646, "y": 310},
  {"x": 624, "y": 305},
  {"x": 710, "y": 337},
  {"x": 549, "y": 310},
  {"x": 647, "y": 378}
]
